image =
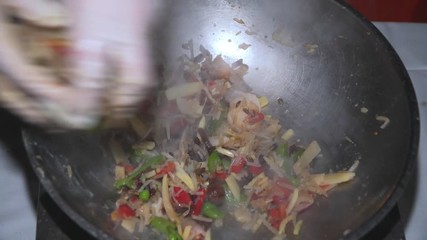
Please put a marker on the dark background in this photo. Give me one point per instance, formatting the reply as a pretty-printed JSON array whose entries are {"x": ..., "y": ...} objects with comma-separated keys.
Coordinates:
[{"x": 392, "y": 10}]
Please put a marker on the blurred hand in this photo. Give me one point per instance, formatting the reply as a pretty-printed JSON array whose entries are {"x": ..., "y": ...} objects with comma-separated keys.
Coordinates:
[{"x": 105, "y": 35}]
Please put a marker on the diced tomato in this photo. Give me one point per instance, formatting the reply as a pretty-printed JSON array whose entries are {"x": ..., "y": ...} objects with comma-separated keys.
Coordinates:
[
  {"x": 181, "y": 196},
  {"x": 238, "y": 164},
  {"x": 124, "y": 211},
  {"x": 255, "y": 170},
  {"x": 128, "y": 168},
  {"x": 258, "y": 117},
  {"x": 134, "y": 199},
  {"x": 168, "y": 167},
  {"x": 220, "y": 175},
  {"x": 197, "y": 208}
]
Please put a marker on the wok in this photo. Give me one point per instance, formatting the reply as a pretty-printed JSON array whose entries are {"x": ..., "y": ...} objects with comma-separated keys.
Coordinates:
[{"x": 324, "y": 60}]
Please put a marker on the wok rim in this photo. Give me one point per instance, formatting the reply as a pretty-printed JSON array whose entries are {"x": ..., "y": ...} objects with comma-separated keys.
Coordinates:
[
  {"x": 357, "y": 233},
  {"x": 406, "y": 175},
  {"x": 54, "y": 194}
]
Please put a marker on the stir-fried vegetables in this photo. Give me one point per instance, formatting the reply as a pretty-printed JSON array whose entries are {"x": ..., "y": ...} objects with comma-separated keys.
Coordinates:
[{"x": 213, "y": 153}]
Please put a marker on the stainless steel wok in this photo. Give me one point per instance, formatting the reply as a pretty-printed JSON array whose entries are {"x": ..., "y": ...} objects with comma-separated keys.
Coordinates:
[{"x": 324, "y": 60}]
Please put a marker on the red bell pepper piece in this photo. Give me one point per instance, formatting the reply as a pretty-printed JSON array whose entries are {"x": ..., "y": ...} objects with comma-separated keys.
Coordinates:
[
  {"x": 197, "y": 209},
  {"x": 276, "y": 215},
  {"x": 238, "y": 164},
  {"x": 124, "y": 211},
  {"x": 220, "y": 175},
  {"x": 181, "y": 196},
  {"x": 255, "y": 170},
  {"x": 168, "y": 167},
  {"x": 128, "y": 168}
]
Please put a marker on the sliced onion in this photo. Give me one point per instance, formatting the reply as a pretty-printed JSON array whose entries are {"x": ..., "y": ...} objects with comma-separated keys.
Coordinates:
[
  {"x": 166, "y": 200},
  {"x": 129, "y": 224},
  {"x": 185, "y": 178},
  {"x": 285, "y": 222},
  {"x": 208, "y": 235},
  {"x": 263, "y": 101},
  {"x": 225, "y": 152},
  {"x": 186, "y": 232},
  {"x": 309, "y": 154},
  {"x": 354, "y": 166},
  {"x": 234, "y": 187},
  {"x": 146, "y": 213},
  {"x": 242, "y": 215},
  {"x": 119, "y": 172},
  {"x": 202, "y": 122},
  {"x": 332, "y": 178},
  {"x": 288, "y": 134},
  {"x": 214, "y": 140},
  {"x": 293, "y": 201},
  {"x": 297, "y": 227},
  {"x": 275, "y": 167},
  {"x": 201, "y": 218},
  {"x": 383, "y": 119},
  {"x": 190, "y": 107}
]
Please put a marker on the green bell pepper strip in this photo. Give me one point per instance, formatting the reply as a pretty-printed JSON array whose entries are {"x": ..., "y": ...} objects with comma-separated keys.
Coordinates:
[
  {"x": 130, "y": 179},
  {"x": 226, "y": 164},
  {"x": 213, "y": 161},
  {"x": 165, "y": 226},
  {"x": 211, "y": 211},
  {"x": 282, "y": 150},
  {"x": 174, "y": 235},
  {"x": 298, "y": 154}
]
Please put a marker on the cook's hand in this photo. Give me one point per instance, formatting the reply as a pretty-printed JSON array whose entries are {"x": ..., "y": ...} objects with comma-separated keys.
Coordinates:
[{"x": 105, "y": 35}]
